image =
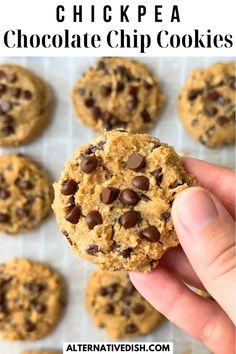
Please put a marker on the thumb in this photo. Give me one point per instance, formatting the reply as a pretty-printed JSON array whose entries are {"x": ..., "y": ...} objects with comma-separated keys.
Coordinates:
[{"x": 206, "y": 233}]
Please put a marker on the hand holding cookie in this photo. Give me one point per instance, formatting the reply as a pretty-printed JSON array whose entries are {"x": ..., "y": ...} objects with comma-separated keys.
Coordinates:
[{"x": 207, "y": 260}]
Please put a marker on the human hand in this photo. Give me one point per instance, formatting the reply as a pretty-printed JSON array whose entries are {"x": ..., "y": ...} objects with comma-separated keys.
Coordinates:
[{"x": 204, "y": 221}]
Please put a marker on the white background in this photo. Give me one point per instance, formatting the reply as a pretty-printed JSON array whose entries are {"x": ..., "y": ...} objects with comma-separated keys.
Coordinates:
[
  {"x": 52, "y": 149},
  {"x": 39, "y": 17}
]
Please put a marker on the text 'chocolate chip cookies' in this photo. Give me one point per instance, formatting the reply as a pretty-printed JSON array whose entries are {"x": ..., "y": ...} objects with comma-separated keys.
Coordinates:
[
  {"x": 25, "y": 194},
  {"x": 31, "y": 300},
  {"x": 25, "y": 105},
  {"x": 207, "y": 104},
  {"x": 115, "y": 304},
  {"x": 117, "y": 93},
  {"x": 113, "y": 200}
]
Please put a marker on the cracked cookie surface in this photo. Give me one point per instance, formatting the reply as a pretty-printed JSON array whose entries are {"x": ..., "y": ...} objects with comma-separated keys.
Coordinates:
[
  {"x": 113, "y": 200},
  {"x": 31, "y": 299},
  {"x": 25, "y": 104},
  {"x": 117, "y": 93},
  {"x": 25, "y": 194},
  {"x": 207, "y": 104},
  {"x": 115, "y": 304}
]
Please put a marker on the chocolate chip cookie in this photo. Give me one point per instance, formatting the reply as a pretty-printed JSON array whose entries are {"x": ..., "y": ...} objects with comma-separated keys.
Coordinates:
[
  {"x": 115, "y": 304},
  {"x": 25, "y": 194},
  {"x": 25, "y": 102},
  {"x": 113, "y": 200},
  {"x": 207, "y": 104},
  {"x": 31, "y": 299},
  {"x": 117, "y": 93}
]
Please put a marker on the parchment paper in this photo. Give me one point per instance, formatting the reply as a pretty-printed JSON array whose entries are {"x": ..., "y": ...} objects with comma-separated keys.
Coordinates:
[{"x": 52, "y": 149}]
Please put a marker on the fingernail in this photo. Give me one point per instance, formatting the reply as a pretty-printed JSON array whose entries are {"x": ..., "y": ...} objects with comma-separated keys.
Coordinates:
[{"x": 196, "y": 209}]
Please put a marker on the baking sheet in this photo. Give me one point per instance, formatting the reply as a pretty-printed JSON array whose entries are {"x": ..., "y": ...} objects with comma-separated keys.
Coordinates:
[{"x": 52, "y": 149}]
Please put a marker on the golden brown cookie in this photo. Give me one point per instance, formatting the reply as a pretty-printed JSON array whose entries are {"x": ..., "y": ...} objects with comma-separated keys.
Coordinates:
[
  {"x": 115, "y": 304},
  {"x": 113, "y": 200},
  {"x": 25, "y": 102},
  {"x": 25, "y": 194},
  {"x": 117, "y": 93},
  {"x": 207, "y": 104},
  {"x": 31, "y": 300}
]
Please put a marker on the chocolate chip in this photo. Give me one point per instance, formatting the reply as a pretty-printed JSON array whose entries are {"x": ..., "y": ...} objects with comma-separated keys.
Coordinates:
[
  {"x": 93, "y": 148},
  {"x": 129, "y": 290},
  {"x": 101, "y": 65},
  {"x": 111, "y": 289},
  {"x": 35, "y": 288},
  {"x": 158, "y": 175},
  {"x": 133, "y": 91},
  {"x": 29, "y": 326},
  {"x": 194, "y": 122},
  {"x": 2, "y": 89},
  {"x": 89, "y": 164},
  {"x": 131, "y": 328},
  {"x": 151, "y": 233},
  {"x": 11, "y": 77},
  {"x": 109, "y": 195},
  {"x": 89, "y": 102},
  {"x": 120, "y": 86},
  {"x": 121, "y": 70},
  {"x": 175, "y": 184},
  {"x": 213, "y": 95},
  {"x": 5, "y": 107},
  {"x": 126, "y": 300},
  {"x": 138, "y": 309},
  {"x": 130, "y": 219},
  {"x": 145, "y": 115},
  {"x": 24, "y": 184},
  {"x": 165, "y": 215},
  {"x": 4, "y": 218},
  {"x": 141, "y": 182},
  {"x": 74, "y": 215},
  {"x": 40, "y": 308},
  {"x": 192, "y": 94},
  {"x": 4, "y": 194},
  {"x": 6, "y": 119},
  {"x": 232, "y": 82},
  {"x": 6, "y": 131},
  {"x": 145, "y": 198},
  {"x": 132, "y": 104},
  {"x": 155, "y": 145},
  {"x": 71, "y": 202},
  {"x": 26, "y": 95},
  {"x": 22, "y": 212},
  {"x": 222, "y": 120},
  {"x": 128, "y": 197},
  {"x": 81, "y": 91},
  {"x": 211, "y": 111},
  {"x": 126, "y": 253},
  {"x": 109, "y": 309},
  {"x": 15, "y": 92},
  {"x": 105, "y": 91},
  {"x": 93, "y": 218},
  {"x": 69, "y": 187},
  {"x": 96, "y": 112},
  {"x": 136, "y": 162},
  {"x": 106, "y": 116},
  {"x": 147, "y": 85},
  {"x": 125, "y": 313},
  {"x": 92, "y": 250},
  {"x": 103, "y": 291}
]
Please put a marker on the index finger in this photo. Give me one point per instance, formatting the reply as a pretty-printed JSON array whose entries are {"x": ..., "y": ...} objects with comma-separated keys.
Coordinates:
[{"x": 218, "y": 180}]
